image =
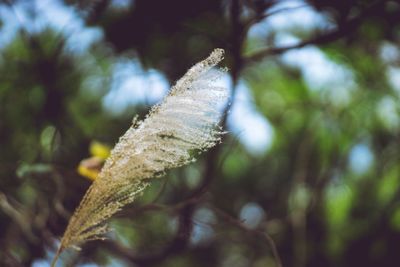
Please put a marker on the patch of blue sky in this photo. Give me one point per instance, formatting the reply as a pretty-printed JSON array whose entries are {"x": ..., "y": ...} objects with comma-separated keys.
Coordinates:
[
  {"x": 393, "y": 74},
  {"x": 390, "y": 55},
  {"x": 388, "y": 112},
  {"x": 389, "y": 52},
  {"x": 251, "y": 214},
  {"x": 361, "y": 159},
  {"x": 9, "y": 27},
  {"x": 56, "y": 15},
  {"x": 294, "y": 14},
  {"x": 319, "y": 72},
  {"x": 48, "y": 14},
  {"x": 41, "y": 263},
  {"x": 132, "y": 85},
  {"x": 122, "y": 4},
  {"x": 297, "y": 15},
  {"x": 46, "y": 263},
  {"x": 50, "y": 253},
  {"x": 252, "y": 129},
  {"x": 203, "y": 231}
]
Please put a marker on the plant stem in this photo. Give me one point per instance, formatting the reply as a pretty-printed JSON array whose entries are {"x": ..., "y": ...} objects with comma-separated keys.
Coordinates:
[{"x": 58, "y": 253}]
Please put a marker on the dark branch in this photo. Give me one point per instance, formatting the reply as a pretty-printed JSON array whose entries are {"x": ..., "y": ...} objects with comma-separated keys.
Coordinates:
[
  {"x": 344, "y": 29},
  {"x": 228, "y": 218}
]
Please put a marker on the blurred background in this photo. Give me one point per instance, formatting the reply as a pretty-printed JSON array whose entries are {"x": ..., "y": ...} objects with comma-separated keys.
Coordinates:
[{"x": 307, "y": 175}]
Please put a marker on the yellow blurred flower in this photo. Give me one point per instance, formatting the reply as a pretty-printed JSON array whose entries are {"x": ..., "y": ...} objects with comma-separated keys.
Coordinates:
[
  {"x": 99, "y": 150},
  {"x": 91, "y": 167}
]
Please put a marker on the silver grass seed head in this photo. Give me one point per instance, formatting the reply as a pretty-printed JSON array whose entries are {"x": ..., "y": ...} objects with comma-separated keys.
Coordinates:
[{"x": 185, "y": 121}]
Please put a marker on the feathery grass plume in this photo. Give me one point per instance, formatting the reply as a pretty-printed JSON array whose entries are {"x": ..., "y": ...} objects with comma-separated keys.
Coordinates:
[{"x": 185, "y": 121}]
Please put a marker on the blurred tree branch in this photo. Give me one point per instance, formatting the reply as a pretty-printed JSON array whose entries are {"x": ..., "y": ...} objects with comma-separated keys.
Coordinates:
[
  {"x": 232, "y": 220},
  {"x": 343, "y": 30}
]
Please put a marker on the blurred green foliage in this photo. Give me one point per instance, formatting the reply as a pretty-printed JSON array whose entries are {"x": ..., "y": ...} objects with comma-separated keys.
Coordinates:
[{"x": 327, "y": 188}]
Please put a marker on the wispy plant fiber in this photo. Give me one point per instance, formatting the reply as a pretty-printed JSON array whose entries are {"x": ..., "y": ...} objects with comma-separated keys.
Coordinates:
[{"x": 185, "y": 121}]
